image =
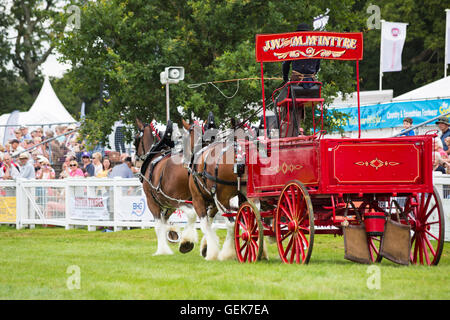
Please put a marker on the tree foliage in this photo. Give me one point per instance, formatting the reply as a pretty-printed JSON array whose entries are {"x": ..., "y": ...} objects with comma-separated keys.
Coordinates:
[
  {"x": 423, "y": 52},
  {"x": 121, "y": 46},
  {"x": 126, "y": 44}
]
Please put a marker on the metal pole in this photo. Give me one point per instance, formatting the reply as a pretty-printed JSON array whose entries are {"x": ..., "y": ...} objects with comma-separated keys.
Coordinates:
[
  {"x": 381, "y": 56},
  {"x": 264, "y": 101},
  {"x": 359, "y": 100},
  {"x": 447, "y": 19},
  {"x": 421, "y": 124},
  {"x": 167, "y": 101}
]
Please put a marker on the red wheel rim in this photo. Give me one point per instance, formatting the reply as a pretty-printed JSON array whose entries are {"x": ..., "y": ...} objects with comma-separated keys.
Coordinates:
[
  {"x": 426, "y": 217},
  {"x": 246, "y": 234},
  {"x": 294, "y": 225}
]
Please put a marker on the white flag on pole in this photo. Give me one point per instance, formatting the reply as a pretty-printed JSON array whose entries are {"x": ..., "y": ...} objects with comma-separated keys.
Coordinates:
[{"x": 393, "y": 35}]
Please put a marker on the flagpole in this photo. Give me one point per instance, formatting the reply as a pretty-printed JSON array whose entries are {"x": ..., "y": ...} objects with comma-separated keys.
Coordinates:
[
  {"x": 381, "y": 55},
  {"x": 447, "y": 20}
]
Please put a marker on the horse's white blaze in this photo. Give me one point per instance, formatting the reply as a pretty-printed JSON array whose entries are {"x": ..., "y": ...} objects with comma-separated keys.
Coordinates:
[
  {"x": 212, "y": 240},
  {"x": 189, "y": 233},
  {"x": 161, "y": 228},
  {"x": 228, "y": 250}
]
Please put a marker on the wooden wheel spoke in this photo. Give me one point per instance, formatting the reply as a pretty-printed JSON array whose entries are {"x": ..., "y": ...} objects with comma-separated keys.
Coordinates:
[
  {"x": 430, "y": 246},
  {"x": 242, "y": 225},
  {"x": 427, "y": 203},
  {"x": 294, "y": 202},
  {"x": 286, "y": 198},
  {"x": 304, "y": 239},
  {"x": 430, "y": 212},
  {"x": 288, "y": 247},
  {"x": 294, "y": 248},
  {"x": 302, "y": 250},
  {"x": 286, "y": 212},
  {"x": 431, "y": 235},
  {"x": 245, "y": 216},
  {"x": 286, "y": 235}
]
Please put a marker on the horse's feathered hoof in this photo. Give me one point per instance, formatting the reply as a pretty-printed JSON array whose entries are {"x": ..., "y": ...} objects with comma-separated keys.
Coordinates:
[
  {"x": 186, "y": 247},
  {"x": 204, "y": 251}
]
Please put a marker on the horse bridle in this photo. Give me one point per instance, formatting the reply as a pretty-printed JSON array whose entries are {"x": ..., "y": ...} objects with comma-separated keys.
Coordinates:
[{"x": 141, "y": 143}]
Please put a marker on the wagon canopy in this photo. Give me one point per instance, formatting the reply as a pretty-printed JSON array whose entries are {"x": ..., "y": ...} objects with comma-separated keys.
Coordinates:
[
  {"x": 280, "y": 47},
  {"x": 309, "y": 45}
]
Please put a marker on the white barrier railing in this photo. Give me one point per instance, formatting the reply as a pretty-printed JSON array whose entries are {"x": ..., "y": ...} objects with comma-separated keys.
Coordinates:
[
  {"x": 91, "y": 202},
  {"x": 117, "y": 203}
]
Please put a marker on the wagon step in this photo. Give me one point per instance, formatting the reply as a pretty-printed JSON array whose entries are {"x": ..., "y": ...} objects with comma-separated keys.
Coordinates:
[
  {"x": 342, "y": 218},
  {"x": 338, "y": 205}
]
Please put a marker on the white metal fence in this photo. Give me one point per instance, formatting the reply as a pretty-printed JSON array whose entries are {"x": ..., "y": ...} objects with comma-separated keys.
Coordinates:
[
  {"x": 117, "y": 203},
  {"x": 92, "y": 202}
]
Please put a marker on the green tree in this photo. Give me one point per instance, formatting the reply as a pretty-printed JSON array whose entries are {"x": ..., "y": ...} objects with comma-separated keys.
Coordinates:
[
  {"x": 27, "y": 28},
  {"x": 423, "y": 52},
  {"x": 126, "y": 44}
]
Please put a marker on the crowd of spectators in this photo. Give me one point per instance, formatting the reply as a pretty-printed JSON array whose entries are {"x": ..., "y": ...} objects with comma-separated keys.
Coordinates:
[
  {"x": 441, "y": 152},
  {"x": 63, "y": 154},
  {"x": 59, "y": 154}
]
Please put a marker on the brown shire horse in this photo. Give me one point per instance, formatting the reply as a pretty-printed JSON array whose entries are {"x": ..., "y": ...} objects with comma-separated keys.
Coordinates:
[
  {"x": 166, "y": 186},
  {"x": 213, "y": 183}
]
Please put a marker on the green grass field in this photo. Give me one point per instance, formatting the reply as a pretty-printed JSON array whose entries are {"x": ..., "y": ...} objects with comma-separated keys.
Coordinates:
[{"x": 120, "y": 265}]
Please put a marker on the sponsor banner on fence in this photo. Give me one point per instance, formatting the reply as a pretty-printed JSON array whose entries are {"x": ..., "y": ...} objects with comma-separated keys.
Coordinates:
[
  {"x": 389, "y": 115},
  {"x": 89, "y": 208},
  {"x": 8, "y": 209},
  {"x": 133, "y": 208}
]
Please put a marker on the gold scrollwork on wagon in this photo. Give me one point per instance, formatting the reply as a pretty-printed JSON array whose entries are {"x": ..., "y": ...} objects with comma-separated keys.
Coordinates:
[
  {"x": 286, "y": 167},
  {"x": 309, "y": 53},
  {"x": 377, "y": 163}
]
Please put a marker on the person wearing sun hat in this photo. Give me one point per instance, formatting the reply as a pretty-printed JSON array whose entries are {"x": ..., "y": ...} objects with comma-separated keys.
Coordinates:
[
  {"x": 26, "y": 167},
  {"x": 444, "y": 124}
]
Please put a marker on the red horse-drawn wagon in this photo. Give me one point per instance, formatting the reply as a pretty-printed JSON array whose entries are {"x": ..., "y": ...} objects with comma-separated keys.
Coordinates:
[{"x": 378, "y": 193}]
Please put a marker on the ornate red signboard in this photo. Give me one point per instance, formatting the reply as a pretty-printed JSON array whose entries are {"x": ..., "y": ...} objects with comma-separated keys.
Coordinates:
[{"x": 309, "y": 45}]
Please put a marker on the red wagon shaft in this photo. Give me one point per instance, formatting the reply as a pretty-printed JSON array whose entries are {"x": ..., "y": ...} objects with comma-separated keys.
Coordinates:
[{"x": 298, "y": 183}]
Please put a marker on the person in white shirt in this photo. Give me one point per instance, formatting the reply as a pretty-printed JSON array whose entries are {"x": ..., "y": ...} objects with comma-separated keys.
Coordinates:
[
  {"x": 97, "y": 162},
  {"x": 26, "y": 167},
  {"x": 9, "y": 169}
]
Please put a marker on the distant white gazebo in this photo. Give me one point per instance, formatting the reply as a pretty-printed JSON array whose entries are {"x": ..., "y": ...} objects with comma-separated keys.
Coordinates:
[{"x": 46, "y": 110}]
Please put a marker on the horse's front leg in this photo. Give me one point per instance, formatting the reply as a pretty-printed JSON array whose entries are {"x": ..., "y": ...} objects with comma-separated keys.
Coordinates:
[
  {"x": 189, "y": 236},
  {"x": 161, "y": 228},
  {"x": 211, "y": 238},
  {"x": 228, "y": 251}
]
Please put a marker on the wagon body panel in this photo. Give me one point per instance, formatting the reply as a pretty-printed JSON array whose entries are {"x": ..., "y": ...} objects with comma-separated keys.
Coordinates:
[
  {"x": 386, "y": 165},
  {"x": 280, "y": 161}
]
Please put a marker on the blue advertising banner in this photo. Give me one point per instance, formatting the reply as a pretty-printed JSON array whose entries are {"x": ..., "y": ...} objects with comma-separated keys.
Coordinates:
[{"x": 389, "y": 115}]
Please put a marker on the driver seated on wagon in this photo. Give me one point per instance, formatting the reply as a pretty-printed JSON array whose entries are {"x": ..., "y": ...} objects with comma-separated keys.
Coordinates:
[{"x": 302, "y": 69}]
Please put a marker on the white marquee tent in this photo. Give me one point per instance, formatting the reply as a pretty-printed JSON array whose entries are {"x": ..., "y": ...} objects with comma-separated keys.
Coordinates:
[
  {"x": 47, "y": 109},
  {"x": 439, "y": 89}
]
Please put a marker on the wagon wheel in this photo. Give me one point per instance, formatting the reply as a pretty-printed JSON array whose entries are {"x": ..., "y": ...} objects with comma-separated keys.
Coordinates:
[
  {"x": 374, "y": 242},
  {"x": 294, "y": 224},
  {"x": 426, "y": 217},
  {"x": 248, "y": 233}
]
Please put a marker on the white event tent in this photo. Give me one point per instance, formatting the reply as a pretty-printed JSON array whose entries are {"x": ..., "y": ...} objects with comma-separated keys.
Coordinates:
[
  {"x": 46, "y": 110},
  {"x": 439, "y": 89}
]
